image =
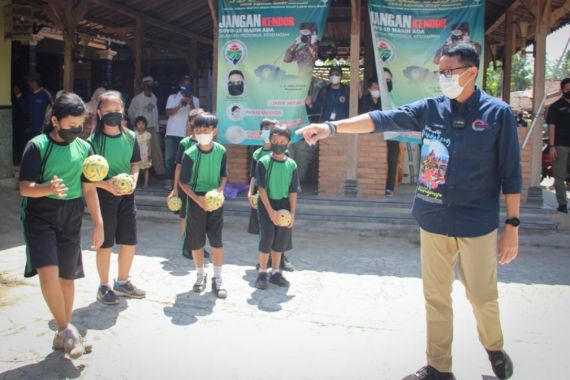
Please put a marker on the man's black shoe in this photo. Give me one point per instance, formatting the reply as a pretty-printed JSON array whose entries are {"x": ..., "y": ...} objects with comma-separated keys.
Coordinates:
[
  {"x": 501, "y": 363},
  {"x": 430, "y": 373},
  {"x": 278, "y": 279},
  {"x": 187, "y": 254},
  {"x": 563, "y": 209},
  {"x": 206, "y": 254}
]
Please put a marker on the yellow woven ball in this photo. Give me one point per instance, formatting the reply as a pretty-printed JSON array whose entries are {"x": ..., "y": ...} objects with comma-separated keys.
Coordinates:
[
  {"x": 284, "y": 218},
  {"x": 214, "y": 200},
  {"x": 95, "y": 168},
  {"x": 255, "y": 200},
  {"x": 174, "y": 204},
  {"x": 124, "y": 182}
]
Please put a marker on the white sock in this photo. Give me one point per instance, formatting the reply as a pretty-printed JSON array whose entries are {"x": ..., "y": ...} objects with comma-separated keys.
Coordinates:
[
  {"x": 107, "y": 285},
  {"x": 122, "y": 282},
  {"x": 261, "y": 270},
  {"x": 200, "y": 270},
  {"x": 218, "y": 272}
]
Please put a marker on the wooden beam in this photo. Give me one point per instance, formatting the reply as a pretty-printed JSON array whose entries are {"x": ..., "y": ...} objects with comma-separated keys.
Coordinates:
[
  {"x": 120, "y": 8},
  {"x": 351, "y": 163},
  {"x": 214, "y": 13},
  {"x": 542, "y": 28},
  {"x": 66, "y": 15},
  {"x": 501, "y": 20},
  {"x": 560, "y": 12}
]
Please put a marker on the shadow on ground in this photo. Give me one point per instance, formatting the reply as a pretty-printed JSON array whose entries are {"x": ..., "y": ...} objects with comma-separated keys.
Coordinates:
[{"x": 52, "y": 367}]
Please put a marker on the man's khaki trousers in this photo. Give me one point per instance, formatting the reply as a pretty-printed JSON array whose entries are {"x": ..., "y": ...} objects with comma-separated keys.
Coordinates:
[{"x": 476, "y": 260}]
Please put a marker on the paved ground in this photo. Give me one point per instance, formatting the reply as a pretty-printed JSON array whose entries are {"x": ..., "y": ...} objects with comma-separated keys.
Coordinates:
[{"x": 354, "y": 311}]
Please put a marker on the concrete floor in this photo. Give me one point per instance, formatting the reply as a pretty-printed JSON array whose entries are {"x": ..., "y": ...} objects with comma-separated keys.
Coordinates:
[{"x": 354, "y": 311}]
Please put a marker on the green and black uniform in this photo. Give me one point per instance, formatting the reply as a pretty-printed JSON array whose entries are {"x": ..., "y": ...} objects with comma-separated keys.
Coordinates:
[
  {"x": 203, "y": 171},
  {"x": 118, "y": 212},
  {"x": 253, "y": 226},
  {"x": 279, "y": 179},
  {"x": 52, "y": 225},
  {"x": 184, "y": 145}
]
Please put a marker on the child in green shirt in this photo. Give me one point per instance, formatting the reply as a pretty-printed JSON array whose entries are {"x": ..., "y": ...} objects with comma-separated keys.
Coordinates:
[
  {"x": 203, "y": 170},
  {"x": 278, "y": 184}
]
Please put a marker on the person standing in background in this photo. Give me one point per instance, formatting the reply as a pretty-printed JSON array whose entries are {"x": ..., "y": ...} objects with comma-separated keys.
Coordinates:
[
  {"x": 177, "y": 108},
  {"x": 145, "y": 105}
]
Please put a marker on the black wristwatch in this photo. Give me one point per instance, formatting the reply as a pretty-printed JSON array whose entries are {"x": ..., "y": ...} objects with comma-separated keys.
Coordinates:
[{"x": 514, "y": 221}]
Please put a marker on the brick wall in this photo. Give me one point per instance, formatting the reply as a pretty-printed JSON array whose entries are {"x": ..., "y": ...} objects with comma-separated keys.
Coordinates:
[
  {"x": 371, "y": 170},
  {"x": 372, "y": 166},
  {"x": 332, "y": 166},
  {"x": 237, "y": 163}
]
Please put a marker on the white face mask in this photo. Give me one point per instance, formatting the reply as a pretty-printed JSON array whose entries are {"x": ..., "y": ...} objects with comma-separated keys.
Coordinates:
[
  {"x": 205, "y": 138},
  {"x": 375, "y": 93},
  {"x": 335, "y": 79},
  {"x": 450, "y": 87},
  {"x": 265, "y": 136}
]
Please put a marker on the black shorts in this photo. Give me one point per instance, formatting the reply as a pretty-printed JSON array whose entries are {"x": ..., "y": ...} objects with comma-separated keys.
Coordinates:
[
  {"x": 200, "y": 223},
  {"x": 119, "y": 218},
  {"x": 52, "y": 229},
  {"x": 272, "y": 237},
  {"x": 184, "y": 199},
  {"x": 253, "y": 226}
]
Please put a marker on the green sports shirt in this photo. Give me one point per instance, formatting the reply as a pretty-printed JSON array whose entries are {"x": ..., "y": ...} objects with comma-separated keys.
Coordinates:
[
  {"x": 120, "y": 150},
  {"x": 185, "y": 144},
  {"x": 278, "y": 178},
  {"x": 202, "y": 171},
  {"x": 45, "y": 158}
]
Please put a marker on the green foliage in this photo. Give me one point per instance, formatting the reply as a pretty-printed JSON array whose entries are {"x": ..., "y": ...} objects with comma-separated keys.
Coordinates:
[{"x": 561, "y": 72}]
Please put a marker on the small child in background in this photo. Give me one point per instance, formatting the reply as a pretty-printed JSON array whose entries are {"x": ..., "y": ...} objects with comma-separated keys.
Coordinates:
[{"x": 144, "y": 140}]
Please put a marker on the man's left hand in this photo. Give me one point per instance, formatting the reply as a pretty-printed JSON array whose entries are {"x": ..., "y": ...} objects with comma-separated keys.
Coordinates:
[{"x": 509, "y": 245}]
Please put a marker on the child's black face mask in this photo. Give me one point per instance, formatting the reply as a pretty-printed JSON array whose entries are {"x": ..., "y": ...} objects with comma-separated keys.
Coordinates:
[{"x": 235, "y": 88}]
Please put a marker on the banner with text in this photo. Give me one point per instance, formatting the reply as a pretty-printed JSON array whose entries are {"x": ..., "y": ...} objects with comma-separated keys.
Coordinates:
[
  {"x": 409, "y": 38},
  {"x": 266, "y": 54}
]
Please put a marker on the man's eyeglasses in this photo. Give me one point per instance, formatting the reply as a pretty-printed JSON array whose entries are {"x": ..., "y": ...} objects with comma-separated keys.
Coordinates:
[{"x": 449, "y": 72}]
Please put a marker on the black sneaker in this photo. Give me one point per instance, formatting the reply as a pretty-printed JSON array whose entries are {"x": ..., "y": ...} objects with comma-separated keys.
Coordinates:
[
  {"x": 278, "y": 279},
  {"x": 186, "y": 253},
  {"x": 107, "y": 296},
  {"x": 286, "y": 264},
  {"x": 430, "y": 373},
  {"x": 501, "y": 363},
  {"x": 261, "y": 281},
  {"x": 563, "y": 209},
  {"x": 200, "y": 284},
  {"x": 218, "y": 288}
]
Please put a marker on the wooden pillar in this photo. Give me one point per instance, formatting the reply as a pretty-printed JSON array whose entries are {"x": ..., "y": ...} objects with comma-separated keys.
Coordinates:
[
  {"x": 66, "y": 15},
  {"x": 369, "y": 64},
  {"x": 68, "y": 67},
  {"x": 542, "y": 12},
  {"x": 508, "y": 55},
  {"x": 137, "y": 52},
  {"x": 486, "y": 62},
  {"x": 351, "y": 154},
  {"x": 106, "y": 57},
  {"x": 214, "y": 13}
]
